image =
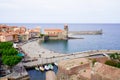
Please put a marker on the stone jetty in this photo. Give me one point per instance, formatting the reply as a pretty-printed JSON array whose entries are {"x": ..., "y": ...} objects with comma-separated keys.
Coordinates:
[{"x": 96, "y": 32}]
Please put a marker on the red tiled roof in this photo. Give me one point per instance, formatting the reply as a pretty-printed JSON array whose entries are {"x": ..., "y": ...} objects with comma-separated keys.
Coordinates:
[
  {"x": 56, "y": 30},
  {"x": 54, "y": 35}
]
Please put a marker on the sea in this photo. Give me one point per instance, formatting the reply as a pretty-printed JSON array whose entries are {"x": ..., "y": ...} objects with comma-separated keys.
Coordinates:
[{"x": 110, "y": 39}]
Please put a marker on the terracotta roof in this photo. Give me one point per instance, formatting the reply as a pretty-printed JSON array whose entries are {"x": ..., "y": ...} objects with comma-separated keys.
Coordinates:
[
  {"x": 57, "y": 30},
  {"x": 53, "y": 35},
  {"x": 6, "y": 34},
  {"x": 34, "y": 30}
]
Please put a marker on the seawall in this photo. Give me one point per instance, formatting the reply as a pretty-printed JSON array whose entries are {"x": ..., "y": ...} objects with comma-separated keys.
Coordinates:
[{"x": 97, "y": 32}]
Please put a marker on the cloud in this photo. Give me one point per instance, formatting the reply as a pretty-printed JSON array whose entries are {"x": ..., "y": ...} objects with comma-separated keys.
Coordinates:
[{"x": 60, "y": 11}]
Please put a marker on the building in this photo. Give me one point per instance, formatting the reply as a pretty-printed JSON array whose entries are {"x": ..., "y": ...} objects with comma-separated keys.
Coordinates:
[
  {"x": 84, "y": 69},
  {"x": 54, "y": 33},
  {"x": 17, "y": 34},
  {"x": 6, "y": 37},
  {"x": 71, "y": 69},
  {"x": 105, "y": 72},
  {"x": 35, "y": 32}
]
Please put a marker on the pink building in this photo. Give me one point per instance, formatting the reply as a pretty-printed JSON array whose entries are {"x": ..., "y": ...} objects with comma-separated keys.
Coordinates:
[
  {"x": 53, "y": 32},
  {"x": 6, "y": 37}
]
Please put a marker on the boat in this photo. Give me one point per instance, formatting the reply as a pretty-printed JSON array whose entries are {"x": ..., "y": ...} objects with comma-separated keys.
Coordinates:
[
  {"x": 46, "y": 67},
  {"x": 56, "y": 64},
  {"x": 36, "y": 68},
  {"x": 50, "y": 66},
  {"x": 41, "y": 68}
]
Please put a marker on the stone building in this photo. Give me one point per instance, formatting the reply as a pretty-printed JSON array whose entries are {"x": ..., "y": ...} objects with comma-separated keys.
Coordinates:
[
  {"x": 70, "y": 69},
  {"x": 54, "y": 33},
  {"x": 105, "y": 72},
  {"x": 83, "y": 69},
  {"x": 35, "y": 32}
]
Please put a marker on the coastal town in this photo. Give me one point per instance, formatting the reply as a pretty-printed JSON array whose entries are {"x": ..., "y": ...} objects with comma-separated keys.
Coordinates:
[
  {"x": 21, "y": 34},
  {"x": 87, "y": 65},
  {"x": 59, "y": 40}
]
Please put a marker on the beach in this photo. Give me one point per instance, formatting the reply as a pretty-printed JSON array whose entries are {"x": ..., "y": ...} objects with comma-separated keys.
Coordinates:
[{"x": 34, "y": 50}]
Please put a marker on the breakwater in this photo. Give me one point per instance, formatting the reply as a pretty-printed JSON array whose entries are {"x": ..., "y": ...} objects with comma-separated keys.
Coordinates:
[{"x": 96, "y": 32}]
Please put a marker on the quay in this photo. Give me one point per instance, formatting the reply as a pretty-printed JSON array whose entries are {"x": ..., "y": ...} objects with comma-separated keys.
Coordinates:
[{"x": 42, "y": 61}]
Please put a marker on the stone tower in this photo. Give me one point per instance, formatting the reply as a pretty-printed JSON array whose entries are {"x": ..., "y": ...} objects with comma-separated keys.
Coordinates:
[{"x": 66, "y": 31}]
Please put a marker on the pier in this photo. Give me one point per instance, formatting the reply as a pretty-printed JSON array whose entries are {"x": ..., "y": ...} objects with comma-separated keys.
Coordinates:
[
  {"x": 96, "y": 32},
  {"x": 42, "y": 61}
]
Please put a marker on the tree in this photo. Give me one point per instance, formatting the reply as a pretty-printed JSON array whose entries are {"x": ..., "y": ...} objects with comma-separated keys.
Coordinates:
[
  {"x": 5, "y": 45},
  {"x": 10, "y": 51},
  {"x": 9, "y": 54},
  {"x": 11, "y": 60}
]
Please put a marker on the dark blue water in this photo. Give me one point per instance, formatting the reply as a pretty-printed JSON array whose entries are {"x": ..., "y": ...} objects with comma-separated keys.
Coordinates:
[{"x": 38, "y": 75}]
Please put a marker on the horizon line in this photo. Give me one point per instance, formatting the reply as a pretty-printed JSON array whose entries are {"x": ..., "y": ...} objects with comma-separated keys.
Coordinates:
[{"x": 54, "y": 23}]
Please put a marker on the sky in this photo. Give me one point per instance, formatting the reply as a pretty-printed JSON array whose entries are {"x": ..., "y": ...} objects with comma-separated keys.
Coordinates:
[{"x": 59, "y": 11}]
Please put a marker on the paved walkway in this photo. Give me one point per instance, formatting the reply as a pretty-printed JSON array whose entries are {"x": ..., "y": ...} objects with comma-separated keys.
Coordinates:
[{"x": 41, "y": 61}]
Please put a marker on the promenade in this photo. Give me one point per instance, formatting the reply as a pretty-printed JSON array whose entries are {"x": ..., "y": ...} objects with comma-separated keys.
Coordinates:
[
  {"x": 37, "y": 55},
  {"x": 42, "y": 61}
]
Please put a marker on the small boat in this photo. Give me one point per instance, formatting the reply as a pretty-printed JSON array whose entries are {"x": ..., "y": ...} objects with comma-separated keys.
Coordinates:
[
  {"x": 50, "y": 66},
  {"x": 46, "y": 67},
  {"x": 36, "y": 68},
  {"x": 41, "y": 68},
  {"x": 56, "y": 64}
]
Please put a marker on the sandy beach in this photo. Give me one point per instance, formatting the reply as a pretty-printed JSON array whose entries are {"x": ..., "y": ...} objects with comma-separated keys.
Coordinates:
[{"x": 34, "y": 50}]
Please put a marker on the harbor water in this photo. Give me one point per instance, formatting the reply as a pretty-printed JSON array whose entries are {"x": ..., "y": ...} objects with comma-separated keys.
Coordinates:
[{"x": 110, "y": 39}]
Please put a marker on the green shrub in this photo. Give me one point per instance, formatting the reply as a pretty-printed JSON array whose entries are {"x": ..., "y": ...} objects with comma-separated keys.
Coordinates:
[
  {"x": 9, "y": 54},
  {"x": 113, "y": 63},
  {"x": 115, "y": 56},
  {"x": 10, "y": 51},
  {"x": 4, "y": 45},
  {"x": 11, "y": 60}
]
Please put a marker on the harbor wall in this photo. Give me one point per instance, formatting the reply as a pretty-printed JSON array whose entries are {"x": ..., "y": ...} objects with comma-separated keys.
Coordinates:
[
  {"x": 97, "y": 32},
  {"x": 64, "y": 74}
]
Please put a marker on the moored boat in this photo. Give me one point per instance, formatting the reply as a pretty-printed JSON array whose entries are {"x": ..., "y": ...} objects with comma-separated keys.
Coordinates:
[
  {"x": 41, "y": 68},
  {"x": 46, "y": 67},
  {"x": 56, "y": 64},
  {"x": 36, "y": 68},
  {"x": 50, "y": 66}
]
